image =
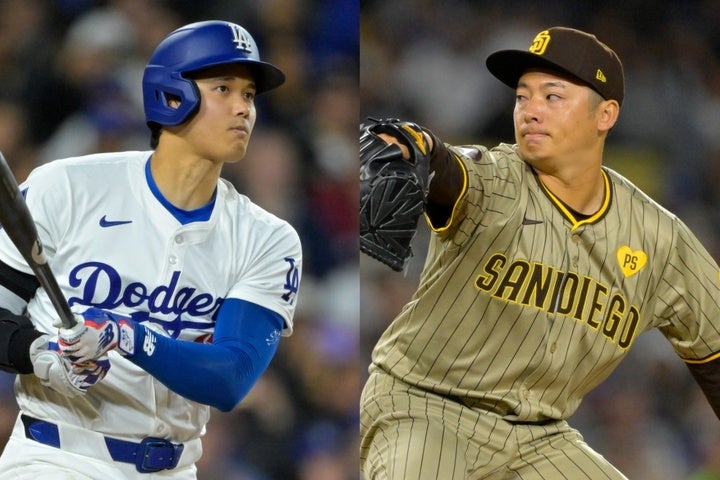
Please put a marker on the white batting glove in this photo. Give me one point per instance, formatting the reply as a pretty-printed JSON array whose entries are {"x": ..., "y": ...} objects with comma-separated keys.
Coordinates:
[
  {"x": 96, "y": 333},
  {"x": 56, "y": 373}
]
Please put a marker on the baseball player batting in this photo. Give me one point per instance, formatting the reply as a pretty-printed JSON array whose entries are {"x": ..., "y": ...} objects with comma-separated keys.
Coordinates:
[
  {"x": 182, "y": 287},
  {"x": 543, "y": 268}
]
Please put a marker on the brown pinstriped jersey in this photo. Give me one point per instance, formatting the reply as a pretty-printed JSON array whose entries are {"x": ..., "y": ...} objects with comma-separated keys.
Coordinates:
[{"x": 522, "y": 309}]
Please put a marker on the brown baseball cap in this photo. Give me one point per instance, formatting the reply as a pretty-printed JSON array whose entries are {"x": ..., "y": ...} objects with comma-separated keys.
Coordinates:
[{"x": 567, "y": 50}]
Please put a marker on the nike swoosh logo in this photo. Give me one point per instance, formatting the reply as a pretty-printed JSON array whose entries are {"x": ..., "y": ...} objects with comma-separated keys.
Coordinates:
[
  {"x": 104, "y": 222},
  {"x": 528, "y": 221}
]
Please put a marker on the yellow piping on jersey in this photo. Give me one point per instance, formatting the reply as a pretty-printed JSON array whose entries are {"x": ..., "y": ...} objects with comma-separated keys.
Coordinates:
[
  {"x": 704, "y": 360},
  {"x": 457, "y": 200},
  {"x": 570, "y": 216}
]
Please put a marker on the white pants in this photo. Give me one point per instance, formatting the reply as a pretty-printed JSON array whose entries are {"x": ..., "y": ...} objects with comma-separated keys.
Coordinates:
[{"x": 25, "y": 459}]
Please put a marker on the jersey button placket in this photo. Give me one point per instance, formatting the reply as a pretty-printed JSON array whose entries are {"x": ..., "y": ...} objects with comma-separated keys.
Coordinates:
[
  {"x": 174, "y": 255},
  {"x": 526, "y": 393},
  {"x": 574, "y": 258}
]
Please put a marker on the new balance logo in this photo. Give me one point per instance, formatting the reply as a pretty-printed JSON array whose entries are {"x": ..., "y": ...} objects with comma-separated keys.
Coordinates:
[
  {"x": 105, "y": 223},
  {"x": 149, "y": 343},
  {"x": 274, "y": 337}
]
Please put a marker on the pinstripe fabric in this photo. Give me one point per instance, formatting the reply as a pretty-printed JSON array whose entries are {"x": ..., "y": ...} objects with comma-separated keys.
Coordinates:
[
  {"x": 522, "y": 308},
  {"x": 411, "y": 434}
]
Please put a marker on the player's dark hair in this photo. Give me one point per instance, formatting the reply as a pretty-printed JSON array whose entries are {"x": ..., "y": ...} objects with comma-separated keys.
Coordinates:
[
  {"x": 155, "y": 130},
  {"x": 595, "y": 99}
]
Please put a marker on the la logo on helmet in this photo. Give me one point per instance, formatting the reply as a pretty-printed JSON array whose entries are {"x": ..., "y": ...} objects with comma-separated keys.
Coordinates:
[{"x": 241, "y": 38}]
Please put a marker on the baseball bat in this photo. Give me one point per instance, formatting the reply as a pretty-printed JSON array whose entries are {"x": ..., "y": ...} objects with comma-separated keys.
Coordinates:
[{"x": 19, "y": 225}]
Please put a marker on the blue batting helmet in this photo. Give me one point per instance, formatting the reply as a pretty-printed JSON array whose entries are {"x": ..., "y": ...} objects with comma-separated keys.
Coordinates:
[{"x": 195, "y": 47}]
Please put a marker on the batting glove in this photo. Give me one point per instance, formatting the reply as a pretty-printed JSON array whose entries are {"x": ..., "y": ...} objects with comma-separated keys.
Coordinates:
[
  {"x": 96, "y": 333},
  {"x": 57, "y": 373}
]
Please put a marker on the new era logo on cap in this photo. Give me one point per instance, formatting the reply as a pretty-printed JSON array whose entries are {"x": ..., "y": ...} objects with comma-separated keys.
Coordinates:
[{"x": 569, "y": 51}]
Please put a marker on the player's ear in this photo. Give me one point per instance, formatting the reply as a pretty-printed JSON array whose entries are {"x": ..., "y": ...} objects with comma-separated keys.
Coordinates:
[
  {"x": 607, "y": 114},
  {"x": 173, "y": 101}
]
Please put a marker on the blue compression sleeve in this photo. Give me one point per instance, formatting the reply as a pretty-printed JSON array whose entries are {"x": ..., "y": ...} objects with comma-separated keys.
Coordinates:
[{"x": 218, "y": 374}]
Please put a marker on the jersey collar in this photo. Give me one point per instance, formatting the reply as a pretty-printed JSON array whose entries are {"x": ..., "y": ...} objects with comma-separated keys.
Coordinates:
[
  {"x": 201, "y": 214},
  {"x": 566, "y": 211}
]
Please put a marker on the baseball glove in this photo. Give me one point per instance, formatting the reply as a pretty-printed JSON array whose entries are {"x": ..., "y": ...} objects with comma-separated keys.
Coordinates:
[{"x": 393, "y": 190}]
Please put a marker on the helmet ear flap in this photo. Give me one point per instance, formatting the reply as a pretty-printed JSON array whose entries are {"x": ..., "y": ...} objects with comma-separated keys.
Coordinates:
[{"x": 160, "y": 87}]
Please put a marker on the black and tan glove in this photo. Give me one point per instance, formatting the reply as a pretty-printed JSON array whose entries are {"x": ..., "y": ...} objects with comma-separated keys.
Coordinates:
[{"x": 393, "y": 189}]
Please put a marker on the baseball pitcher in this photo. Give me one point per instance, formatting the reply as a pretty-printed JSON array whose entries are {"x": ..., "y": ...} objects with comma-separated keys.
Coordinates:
[{"x": 543, "y": 268}]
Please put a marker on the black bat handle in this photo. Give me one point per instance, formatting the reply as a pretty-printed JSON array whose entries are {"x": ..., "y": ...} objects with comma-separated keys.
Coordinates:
[{"x": 20, "y": 227}]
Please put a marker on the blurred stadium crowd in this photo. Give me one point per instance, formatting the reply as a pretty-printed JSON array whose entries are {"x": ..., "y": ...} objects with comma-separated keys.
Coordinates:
[
  {"x": 425, "y": 62},
  {"x": 71, "y": 74}
]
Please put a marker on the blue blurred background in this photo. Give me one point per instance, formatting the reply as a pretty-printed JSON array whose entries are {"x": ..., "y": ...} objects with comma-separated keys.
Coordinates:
[
  {"x": 70, "y": 76},
  {"x": 425, "y": 61}
]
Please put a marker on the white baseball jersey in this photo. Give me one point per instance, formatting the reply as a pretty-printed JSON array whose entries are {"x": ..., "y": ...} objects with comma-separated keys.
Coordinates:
[{"x": 112, "y": 244}]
